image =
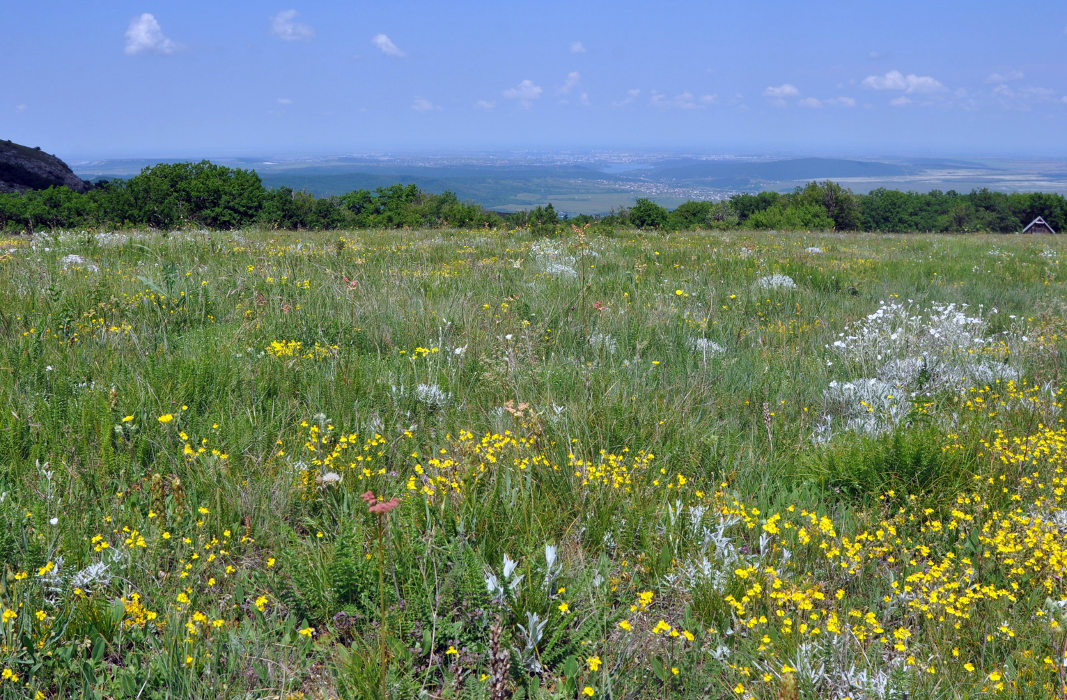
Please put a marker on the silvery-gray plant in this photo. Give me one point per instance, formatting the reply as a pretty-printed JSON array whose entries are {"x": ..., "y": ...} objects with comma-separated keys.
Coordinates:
[
  {"x": 717, "y": 568},
  {"x": 552, "y": 566},
  {"x": 499, "y": 589},
  {"x": 531, "y": 636}
]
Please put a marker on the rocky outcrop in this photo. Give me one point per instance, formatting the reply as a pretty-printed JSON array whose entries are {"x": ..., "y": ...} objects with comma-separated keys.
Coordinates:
[{"x": 23, "y": 168}]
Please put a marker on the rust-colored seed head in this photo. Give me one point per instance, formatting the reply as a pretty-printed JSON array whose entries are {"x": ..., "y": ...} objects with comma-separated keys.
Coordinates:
[{"x": 385, "y": 506}]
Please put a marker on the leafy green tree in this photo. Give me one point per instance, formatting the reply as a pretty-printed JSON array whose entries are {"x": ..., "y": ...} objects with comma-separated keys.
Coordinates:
[
  {"x": 11, "y": 210},
  {"x": 543, "y": 220},
  {"x": 887, "y": 210},
  {"x": 745, "y": 205},
  {"x": 61, "y": 207},
  {"x": 647, "y": 214},
  {"x": 800, "y": 217},
  {"x": 691, "y": 214},
  {"x": 840, "y": 204},
  {"x": 204, "y": 193},
  {"x": 114, "y": 204}
]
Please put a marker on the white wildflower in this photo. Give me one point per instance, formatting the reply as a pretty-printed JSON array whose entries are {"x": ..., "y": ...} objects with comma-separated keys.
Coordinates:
[
  {"x": 776, "y": 282},
  {"x": 78, "y": 262}
]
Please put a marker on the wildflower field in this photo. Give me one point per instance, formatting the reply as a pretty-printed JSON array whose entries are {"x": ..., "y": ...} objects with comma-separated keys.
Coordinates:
[{"x": 484, "y": 464}]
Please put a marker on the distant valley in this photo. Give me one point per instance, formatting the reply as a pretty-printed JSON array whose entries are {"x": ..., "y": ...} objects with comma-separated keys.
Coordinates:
[{"x": 597, "y": 182}]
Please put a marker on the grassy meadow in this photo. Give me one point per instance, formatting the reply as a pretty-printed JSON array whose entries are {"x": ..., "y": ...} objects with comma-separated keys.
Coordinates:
[{"x": 766, "y": 465}]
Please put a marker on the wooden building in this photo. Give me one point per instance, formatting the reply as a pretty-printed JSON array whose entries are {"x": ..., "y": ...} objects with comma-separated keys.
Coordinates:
[{"x": 1038, "y": 225}]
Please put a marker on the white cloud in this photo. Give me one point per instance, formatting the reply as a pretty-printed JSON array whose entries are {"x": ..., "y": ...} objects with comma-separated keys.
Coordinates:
[
  {"x": 20, "y": 107},
  {"x": 1062, "y": 99},
  {"x": 423, "y": 105},
  {"x": 386, "y": 46},
  {"x": 900, "y": 101},
  {"x": 145, "y": 34},
  {"x": 573, "y": 78},
  {"x": 875, "y": 55},
  {"x": 284, "y": 26},
  {"x": 895, "y": 80},
  {"x": 1024, "y": 97},
  {"x": 780, "y": 91},
  {"x": 810, "y": 102},
  {"x": 584, "y": 98},
  {"x": 284, "y": 101},
  {"x": 683, "y": 100},
  {"x": 631, "y": 95},
  {"x": 1005, "y": 77},
  {"x": 526, "y": 92},
  {"x": 484, "y": 104},
  {"x": 842, "y": 101},
  {"x": 577, "y": 47}
]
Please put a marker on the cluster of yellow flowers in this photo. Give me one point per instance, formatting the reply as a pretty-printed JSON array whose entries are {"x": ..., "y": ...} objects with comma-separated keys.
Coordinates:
[{"x": 296, "y": 349}]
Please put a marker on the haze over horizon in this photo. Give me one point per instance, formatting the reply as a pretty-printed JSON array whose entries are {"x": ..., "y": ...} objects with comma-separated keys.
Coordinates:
[{"x": 229, "y": 79}]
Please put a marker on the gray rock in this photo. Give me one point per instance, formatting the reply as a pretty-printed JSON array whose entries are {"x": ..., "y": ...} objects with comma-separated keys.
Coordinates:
[{"x": 23, "y": 168}]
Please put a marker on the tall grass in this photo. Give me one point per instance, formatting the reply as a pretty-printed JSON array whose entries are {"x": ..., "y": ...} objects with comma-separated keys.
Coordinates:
[{"x": 638, "y": 405}]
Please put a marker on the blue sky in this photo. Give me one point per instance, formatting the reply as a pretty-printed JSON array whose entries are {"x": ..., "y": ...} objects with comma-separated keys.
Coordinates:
[{"x": 190, "y": 79}]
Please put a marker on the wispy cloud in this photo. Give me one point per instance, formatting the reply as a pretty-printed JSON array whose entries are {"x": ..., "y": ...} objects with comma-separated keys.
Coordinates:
[
  {"x": 1023, "y": 97},
  {"x": 1005, "y": 77},
  {"x": 145, "y": 34},
  {"x": 384, "y": 44},
  {"x": 781, "y": 91},
  {"x": 777, "y": 94},
  {"x": 526, "y": 92},
  {"x": 842, "y": 101},
  {"x": 284, "y": 26},
  {"x": 423, "y": 105},
  {"x": 631, "y": 95},
  {"x": 910, "y": 83},
  {"x": 901, "y": 101},
  {"x": 284, "y": 101},
  {"x": 573, "y": 78},
  {"x": 683, "y": 100},
  {"x": 810, "y": 102},
  {"x": 20, "y": 107},
  {"x": 484, "y": 104},
  {"x": 577, "y": 47}
]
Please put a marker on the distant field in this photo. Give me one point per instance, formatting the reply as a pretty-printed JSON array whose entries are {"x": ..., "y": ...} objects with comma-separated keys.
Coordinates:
[{"x": 737, "y": 465}]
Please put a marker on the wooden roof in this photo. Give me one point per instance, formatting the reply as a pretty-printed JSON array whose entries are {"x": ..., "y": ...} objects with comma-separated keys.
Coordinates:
[{"x": 1037, "y": 221}]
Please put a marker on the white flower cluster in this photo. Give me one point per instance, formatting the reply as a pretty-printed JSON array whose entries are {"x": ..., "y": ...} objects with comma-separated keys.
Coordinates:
[
  {"x": 553, "y": 260},
  {"x": 866, "y": 406},
  {"x": 776, "y": 282},
  {"x": 706, "y": 347},
  {"x": 77, "y": 261},
  {"x": 907, "y": 352}
]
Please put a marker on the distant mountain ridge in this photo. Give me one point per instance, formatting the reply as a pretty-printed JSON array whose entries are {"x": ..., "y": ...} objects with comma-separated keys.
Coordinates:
[{"x": 23, "y": 168}]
